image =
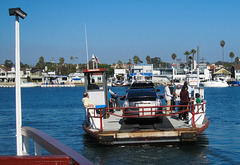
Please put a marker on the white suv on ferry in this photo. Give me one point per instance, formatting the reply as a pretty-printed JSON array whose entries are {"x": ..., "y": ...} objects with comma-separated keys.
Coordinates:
[{"x": 142, "y": 94}]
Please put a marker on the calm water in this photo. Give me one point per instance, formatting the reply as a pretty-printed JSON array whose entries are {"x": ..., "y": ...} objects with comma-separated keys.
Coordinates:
[{"x": 59, "y": 112}]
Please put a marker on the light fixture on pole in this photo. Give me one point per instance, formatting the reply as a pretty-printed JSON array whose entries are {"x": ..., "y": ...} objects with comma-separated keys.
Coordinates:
[
  {"x": 17, "y": 12},
  {"x": 93, "y": 60}
]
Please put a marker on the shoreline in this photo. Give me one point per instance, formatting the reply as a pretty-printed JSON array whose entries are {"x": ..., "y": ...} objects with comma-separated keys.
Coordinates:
[{"x": 12, "y": 84}]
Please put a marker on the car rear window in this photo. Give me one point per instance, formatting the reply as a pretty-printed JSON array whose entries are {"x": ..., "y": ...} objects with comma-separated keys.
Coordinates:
[
  {"x": 138, "y": 93},
  {"x": 142, "y": 85}
]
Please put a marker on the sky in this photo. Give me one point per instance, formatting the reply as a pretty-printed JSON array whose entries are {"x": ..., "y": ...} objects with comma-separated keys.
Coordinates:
[{"x": 120, "y": 29}]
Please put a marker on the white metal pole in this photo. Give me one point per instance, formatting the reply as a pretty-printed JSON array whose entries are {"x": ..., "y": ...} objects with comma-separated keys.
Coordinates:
[
  {"x": 86, "y": 46},
  {"x": 18, "y": 89}
]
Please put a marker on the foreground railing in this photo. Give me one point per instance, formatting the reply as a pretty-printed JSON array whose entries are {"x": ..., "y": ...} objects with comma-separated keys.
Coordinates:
[
  {"x": 60, "y": 154},
  {"x": 146, "y": 111}
]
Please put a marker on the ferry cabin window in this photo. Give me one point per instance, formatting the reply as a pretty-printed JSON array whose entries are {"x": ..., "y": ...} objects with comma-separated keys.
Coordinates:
[{"x": 95, "y": 82}]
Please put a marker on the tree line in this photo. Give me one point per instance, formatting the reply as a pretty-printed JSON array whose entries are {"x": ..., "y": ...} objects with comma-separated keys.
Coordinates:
[{"x": 61, "y": 68}]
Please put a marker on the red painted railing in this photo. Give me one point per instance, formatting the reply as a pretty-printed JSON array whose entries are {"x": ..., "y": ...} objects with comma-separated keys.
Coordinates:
[{"x": 148, "y": 111}]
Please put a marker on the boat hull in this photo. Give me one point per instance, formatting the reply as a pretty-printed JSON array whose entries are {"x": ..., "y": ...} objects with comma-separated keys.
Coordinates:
[
  {"x": 147, "y": 136},
  {"x": 213, "y": 84}
]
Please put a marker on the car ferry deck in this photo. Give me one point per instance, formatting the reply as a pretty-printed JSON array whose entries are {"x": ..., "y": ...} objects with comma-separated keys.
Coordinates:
[{"x": 116, "y": 129}]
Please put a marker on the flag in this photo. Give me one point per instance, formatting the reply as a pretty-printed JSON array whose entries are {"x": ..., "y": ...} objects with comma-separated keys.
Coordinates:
[{"x": 97, "y": 61}]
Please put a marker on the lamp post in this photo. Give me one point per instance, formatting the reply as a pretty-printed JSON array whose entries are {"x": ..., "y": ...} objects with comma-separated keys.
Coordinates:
[
  {"x": 17, "y": 12},
  {"x": 93, "y": 60}
]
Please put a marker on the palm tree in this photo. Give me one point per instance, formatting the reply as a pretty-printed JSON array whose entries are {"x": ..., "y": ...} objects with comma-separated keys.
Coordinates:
[
  {"x": 237, "y": 60},
  {"x": 187, "y": 53},
  {"x": 136, "y": 59},
  {"x": 174, "y": 56},
  {"x": 41, "y": 63},
  {"x": 61, "y": 60},
  {"x": 222, "y": 43},
  {"x": 148, "y": 59},
  {"x": 190, "y": 60},
  {"x": 231, "y": 55},
  {"x": 193, "y": 51},
  {"x": 119, "y": 64},
  {"x": 72, "y": 58},
  {"x": 129, "y": 64}
]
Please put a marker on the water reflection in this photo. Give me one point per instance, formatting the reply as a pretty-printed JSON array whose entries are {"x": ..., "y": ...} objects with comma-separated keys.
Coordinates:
[{"x": 146, "y": 154}]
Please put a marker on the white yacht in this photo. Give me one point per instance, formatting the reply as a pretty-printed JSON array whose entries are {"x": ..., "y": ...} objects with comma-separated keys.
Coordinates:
[
  {"x": 215, "y": 83},
  {"x": 29, "y": 84}
]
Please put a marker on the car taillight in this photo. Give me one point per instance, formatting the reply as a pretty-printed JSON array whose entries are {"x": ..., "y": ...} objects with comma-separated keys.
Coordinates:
[
  {"x": 158, "y": 102},
  {"x": 126, "y": 103}
]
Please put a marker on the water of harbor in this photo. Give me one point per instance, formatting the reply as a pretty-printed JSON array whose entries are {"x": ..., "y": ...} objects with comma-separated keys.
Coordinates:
[{"x": 59, "y": 112}]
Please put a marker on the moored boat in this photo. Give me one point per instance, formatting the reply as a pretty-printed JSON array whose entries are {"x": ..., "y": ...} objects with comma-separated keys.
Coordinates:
[
  {"x": 215, "y": 83},
  {"x": 233, "y": 83},
  {"x": 46, "y": 85},
  {"x": 26, "y": 84}
]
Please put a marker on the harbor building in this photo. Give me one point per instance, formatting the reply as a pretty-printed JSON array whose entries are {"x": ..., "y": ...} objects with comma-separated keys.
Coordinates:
[{"x": 141, "y": 71}]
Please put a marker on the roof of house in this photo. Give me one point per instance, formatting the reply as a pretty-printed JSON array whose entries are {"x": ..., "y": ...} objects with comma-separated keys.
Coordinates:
[
  {"x": 236, "y": 66},
  {"x": 35, "y": 70},
  {"x": 222, "y": 71},
  {"x": 5, "y": 68}
]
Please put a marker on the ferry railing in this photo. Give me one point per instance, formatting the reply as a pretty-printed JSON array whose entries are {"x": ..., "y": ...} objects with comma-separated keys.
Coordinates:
[
  {"x": 147, "y": 111},
  {"x": 51, "y": 145}
]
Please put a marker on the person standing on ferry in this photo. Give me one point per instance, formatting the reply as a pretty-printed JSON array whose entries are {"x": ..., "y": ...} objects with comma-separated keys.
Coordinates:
[
  {"x": 171, "y": 87},
  {"x": 177, "y": 97},
  {"x": 87, "y": 102},
  {"x": 184, "y": 96},
  {"x": 168, "y": 98},
  {"x": 190, "y": 89}
]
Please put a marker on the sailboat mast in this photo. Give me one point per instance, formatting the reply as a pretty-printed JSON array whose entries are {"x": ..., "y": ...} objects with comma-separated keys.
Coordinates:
[{"x": 86, "y": 46}]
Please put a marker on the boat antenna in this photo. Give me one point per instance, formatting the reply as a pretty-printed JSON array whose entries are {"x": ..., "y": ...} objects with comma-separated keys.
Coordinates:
[
  {"x": 198, "y": 66},
  {"x": 86, "y": 45}
]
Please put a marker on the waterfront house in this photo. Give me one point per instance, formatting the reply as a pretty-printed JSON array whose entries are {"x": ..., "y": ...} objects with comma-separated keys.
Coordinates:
[
  {"x": 3, "y": 74},
  {"x": 34, "y": 74},
  {"x": 222, "y": 73},
  {"x": 235, "y": 70},
  {"x": 8, "y": 74}
]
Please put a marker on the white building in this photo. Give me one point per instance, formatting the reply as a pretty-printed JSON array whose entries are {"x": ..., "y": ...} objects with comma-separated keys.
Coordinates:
[
  {"x": 8, "y": 75},
  {"x": 76, "y": 77},
  {"x": 145, "y": 70},
  {"x": 162, "y": 75}
]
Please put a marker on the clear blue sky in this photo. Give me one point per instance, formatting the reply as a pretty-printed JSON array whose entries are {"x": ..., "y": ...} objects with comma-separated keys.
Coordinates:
[{"x": 120, "y": 29}]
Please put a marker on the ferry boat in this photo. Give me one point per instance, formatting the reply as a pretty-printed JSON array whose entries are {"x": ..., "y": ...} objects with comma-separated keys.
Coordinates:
[{"x": 147, "y": 122}]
